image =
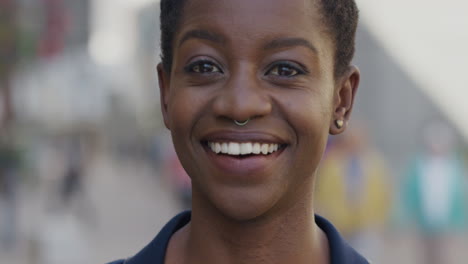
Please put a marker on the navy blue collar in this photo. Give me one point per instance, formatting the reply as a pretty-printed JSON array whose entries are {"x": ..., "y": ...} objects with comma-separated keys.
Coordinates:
[
  {"x": 155, "y": 252},
  {"x": 340, "y": 251}
]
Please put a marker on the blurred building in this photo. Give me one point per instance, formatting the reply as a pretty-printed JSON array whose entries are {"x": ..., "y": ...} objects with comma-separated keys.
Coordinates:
[{"x": 411, "y": 65}]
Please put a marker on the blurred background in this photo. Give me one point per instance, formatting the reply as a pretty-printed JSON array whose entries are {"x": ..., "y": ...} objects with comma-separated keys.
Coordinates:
[{"x": 87, "y": 169}]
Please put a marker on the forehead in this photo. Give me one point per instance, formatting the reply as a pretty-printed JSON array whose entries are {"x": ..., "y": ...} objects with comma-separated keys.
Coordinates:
[
  {"x": 253, "y": 20},
  {"x": 258, "y": 7}
]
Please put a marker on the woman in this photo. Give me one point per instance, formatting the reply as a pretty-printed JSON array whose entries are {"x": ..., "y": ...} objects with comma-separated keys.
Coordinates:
[{"x": 250, "y": 91}]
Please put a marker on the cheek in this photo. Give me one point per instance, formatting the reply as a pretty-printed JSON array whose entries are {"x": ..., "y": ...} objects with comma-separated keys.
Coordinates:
[
  {"x": 186, "y": 107},
  {"x": 183, "y": 108},
  {"x": 312, "y": 132},
  {"x": 310, "y": 118},
  {"x": 310, "y": 113},
  {"x": 183, "y": 111}
]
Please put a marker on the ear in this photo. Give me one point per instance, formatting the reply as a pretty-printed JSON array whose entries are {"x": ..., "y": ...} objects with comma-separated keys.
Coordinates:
[
  {"x": 345, "y": 92},
  {"x": 164, "y": 84}
]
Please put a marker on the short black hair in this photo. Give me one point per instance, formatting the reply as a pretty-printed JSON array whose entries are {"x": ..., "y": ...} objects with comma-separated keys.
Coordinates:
[{"x": 339, "y": 16}]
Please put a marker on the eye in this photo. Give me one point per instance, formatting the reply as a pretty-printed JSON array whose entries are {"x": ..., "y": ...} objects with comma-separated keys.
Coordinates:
[
  {"x": 285, "y": 69},
  {"x": 203, "y": 67}
]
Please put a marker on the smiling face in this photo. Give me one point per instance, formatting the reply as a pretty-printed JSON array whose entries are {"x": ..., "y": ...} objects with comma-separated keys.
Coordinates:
[{"x": 266, "y": 61}]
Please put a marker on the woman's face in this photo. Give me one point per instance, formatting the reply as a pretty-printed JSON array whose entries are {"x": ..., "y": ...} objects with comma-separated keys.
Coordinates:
[{"x": 266, "y": 61}]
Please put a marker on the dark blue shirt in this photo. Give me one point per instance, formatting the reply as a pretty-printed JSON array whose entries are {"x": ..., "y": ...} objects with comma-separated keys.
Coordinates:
[{"x": 155, "y": 252}]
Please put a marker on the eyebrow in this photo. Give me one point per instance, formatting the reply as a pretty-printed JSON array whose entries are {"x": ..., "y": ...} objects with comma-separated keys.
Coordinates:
[
  {"x": 290, "y": 42},
  {"x": 202, "y": 34}
]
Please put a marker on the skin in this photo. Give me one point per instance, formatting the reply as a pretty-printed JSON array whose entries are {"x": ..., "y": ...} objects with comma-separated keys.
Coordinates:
[{"x": 278, "y": 74}]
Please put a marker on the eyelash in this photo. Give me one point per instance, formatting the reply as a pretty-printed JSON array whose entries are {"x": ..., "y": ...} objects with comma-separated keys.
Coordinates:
[
  {"x": 205, "y": 62},
  {"x": 292, "y": 66}
]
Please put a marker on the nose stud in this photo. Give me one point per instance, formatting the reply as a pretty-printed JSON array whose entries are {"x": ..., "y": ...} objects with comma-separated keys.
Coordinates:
[{"x": 241, "y": 123}]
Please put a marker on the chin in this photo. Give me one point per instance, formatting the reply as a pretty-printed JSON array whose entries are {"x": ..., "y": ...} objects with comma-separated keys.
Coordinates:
[{"x": 243, "y": 204}]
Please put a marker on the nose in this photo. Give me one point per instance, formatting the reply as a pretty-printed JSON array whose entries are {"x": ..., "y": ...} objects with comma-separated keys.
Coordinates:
[{"x": 242, "y": 98}]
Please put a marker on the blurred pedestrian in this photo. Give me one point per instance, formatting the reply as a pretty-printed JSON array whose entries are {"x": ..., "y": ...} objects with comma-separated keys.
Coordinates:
[
  {"x": 8, "y": 61},
  {"x": 9, "y": 163},
  {"x": 73, "y": 193},
  {"x": 8, "y": 58},
  {"x": 353, "y": 190},
  {"x": 433, "y": 191},
  {"x": 72, "y": 183},
  {"x": 52, "y": 40}
]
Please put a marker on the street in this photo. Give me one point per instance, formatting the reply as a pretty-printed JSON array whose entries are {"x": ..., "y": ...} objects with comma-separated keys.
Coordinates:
[{"x": 123, "y": 207}]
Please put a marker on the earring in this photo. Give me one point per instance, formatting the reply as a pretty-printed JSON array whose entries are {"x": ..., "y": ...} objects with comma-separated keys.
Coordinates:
[{"x": 339, "y": 123}]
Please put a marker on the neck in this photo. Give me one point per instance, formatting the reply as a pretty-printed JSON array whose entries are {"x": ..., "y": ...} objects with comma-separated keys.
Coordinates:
[{"x": 289, "y": 236}]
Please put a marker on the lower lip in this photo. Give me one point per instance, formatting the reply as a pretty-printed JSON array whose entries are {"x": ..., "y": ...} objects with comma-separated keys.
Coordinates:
[{"x": 244, "y": 166}]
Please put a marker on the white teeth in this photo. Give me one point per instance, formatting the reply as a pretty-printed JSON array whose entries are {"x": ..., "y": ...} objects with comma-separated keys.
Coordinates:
[
  {"x": 247, "y": 148},
  {"x": 256, "y": 148},
  {"x": 224, "y": 148},
  {"x": 234, "y": 148},
  {"x": 217, "y": 148},
  {"x": 270, "y": 148},
  {"x": 265, "y": 149}
]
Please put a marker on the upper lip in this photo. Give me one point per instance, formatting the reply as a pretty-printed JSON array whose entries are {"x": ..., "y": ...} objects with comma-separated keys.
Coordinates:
[{"x": 243, "y": 136}]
